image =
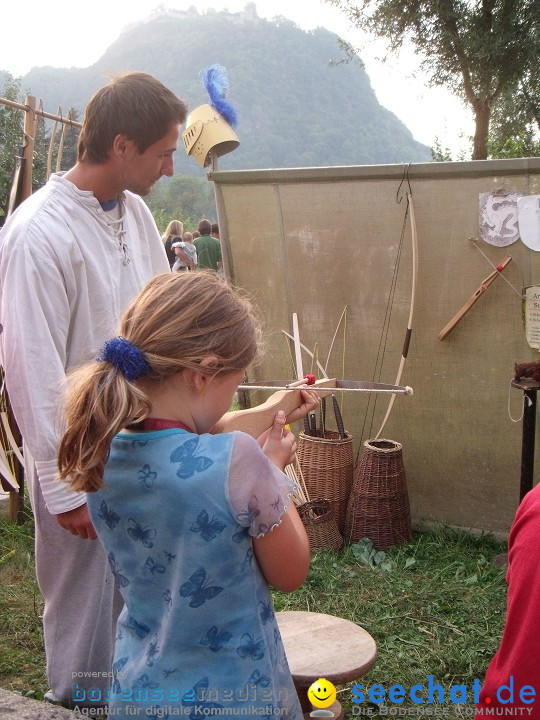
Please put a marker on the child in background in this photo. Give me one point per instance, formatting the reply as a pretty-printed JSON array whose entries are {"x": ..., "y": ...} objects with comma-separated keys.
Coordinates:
[
  {"x": 195, "y": 525},
  {"x": 189, "y": 249}
]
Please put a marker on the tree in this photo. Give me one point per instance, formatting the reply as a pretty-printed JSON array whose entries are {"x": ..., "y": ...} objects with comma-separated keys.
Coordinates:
[
  {"x": 182, "y": 198},
  {"x": 479, "y": 49},
  {"x": 515, "y": 127},
  {"x": 11, "y": 140},
  {"x": 11, "y": 135}
]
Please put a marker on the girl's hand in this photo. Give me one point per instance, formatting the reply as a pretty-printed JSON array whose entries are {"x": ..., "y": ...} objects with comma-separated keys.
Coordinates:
[
  {"x": 311, "y": 400},
  {"x": 280, "y": 444}
]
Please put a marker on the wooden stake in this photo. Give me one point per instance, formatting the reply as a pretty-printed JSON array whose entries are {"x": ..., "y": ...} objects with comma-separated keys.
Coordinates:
[{"x": 30, "y": 123}]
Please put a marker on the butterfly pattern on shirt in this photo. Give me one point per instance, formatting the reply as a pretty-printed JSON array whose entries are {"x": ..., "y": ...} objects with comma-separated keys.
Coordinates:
[
  {"x": 178, "y": 578},
  {"x": 248, "y": 516},
  {"x": 120, "y": 579},
  {"x": 117, "y": 667},
  {"x": 146, "y": 476},
  {"x": 154, "y": 567},
  {"x": 143, "y": 682},
  {"x": 216, "y": 639},
  {"x": 137, "y": 532},
  {"x": 167, "y": 596},
  {"x": 190, "y": 462},
  {"x": 139, "y": 628},
  {"x": 199, "y": 589},
  {"x": 266, "y": 611},
  {"x": 153, "y": 651},
  {"x": 208, "y": 529},
  {"x": 194, "y": 699},
  {"x": 257, "y": 678},
  {"x": 107, "y": 514},
  {"x": 251, "y": 647},
  {"x": 241, "y": 535}
]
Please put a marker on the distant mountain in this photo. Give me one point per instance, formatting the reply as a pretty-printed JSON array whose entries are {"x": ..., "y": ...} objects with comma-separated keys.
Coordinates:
[{"x": 295, "y": 110}]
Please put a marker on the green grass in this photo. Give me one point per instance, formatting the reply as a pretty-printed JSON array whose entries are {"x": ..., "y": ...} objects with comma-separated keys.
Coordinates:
[
  {"x": 22, "y": 659},
  {"x": 435, "y": 606},
  {"x": 436, "y": 609}
]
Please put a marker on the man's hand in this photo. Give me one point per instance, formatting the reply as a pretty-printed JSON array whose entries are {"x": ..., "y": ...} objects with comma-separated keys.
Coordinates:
[{"x": 78, "y": 522}]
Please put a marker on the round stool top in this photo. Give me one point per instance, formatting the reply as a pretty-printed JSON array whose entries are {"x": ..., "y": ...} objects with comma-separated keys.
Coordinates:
[
  {"x": 526, "y": 384},
  {"x": 323, "y": 646}
]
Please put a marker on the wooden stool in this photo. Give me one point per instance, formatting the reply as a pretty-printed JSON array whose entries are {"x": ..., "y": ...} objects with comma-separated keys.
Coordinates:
[{"x": 324, "y": 646}]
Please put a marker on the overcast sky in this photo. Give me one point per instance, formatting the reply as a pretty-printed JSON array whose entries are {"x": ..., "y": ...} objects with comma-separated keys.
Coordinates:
[{"x": 67, "y": 34}]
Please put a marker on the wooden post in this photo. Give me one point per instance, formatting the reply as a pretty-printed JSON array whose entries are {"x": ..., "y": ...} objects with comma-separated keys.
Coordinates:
[
  {"x": 16, "y": 497},
  {"x": 30, "y": 124},
  {"x": 51, "y": 145},
  {"x": 223, "y": 230}
]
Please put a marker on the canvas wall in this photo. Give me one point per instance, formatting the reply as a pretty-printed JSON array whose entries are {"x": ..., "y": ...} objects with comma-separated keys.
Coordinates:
[{"x": 313, "y": 241}]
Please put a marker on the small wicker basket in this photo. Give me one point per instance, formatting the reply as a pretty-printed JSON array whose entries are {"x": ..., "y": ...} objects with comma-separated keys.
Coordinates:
[
  {"x": 379, "y": 503},
  {"x": 327, "y": 468},
  {"x": 320, "y": 525}
]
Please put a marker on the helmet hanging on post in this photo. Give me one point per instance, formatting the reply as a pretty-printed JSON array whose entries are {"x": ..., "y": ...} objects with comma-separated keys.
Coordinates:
[{"x": 209, "y": 128}]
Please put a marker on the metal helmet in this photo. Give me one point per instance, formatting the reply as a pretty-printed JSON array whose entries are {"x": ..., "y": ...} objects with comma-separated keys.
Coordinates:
[{"x": 207, "y": 132}]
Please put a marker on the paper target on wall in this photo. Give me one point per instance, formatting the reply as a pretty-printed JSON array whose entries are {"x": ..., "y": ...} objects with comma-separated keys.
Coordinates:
[
  {"x": 499, "y": 218},
  {"x": 529, "y": 220}
]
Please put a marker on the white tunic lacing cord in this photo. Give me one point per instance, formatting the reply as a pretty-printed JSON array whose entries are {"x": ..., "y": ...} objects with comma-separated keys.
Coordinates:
[{"x": 117, "y": 226}]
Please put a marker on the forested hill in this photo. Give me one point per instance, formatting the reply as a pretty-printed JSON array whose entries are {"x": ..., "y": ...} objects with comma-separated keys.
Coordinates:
[{"x": 295, "y": 109}]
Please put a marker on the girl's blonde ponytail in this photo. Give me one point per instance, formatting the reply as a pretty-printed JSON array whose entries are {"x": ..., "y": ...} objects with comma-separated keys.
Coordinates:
[{"x": 101, "y": 402}]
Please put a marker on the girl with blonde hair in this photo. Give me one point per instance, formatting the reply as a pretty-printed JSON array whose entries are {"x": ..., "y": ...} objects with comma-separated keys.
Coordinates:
[
  {"x": 173, "y": 233},
  {"x": 195, "y": 525}
]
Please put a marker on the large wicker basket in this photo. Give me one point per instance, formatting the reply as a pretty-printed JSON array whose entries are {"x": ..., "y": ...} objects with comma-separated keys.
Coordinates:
[
  {"x": 327, "y": 467},
  {"x": 379, "y": 503},
  {"x": 320, "y": 525}
]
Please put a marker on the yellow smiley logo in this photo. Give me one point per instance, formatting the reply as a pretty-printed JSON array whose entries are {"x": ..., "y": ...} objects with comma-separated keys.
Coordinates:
[{"x": 322, "y": 693}]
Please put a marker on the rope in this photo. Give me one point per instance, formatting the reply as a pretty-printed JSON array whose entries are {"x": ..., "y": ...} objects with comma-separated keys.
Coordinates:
[
  {"x": 386, "y": 322},
  {"x": 506, "y": 280},
  {"x": 525, "y": 398},
  {"x": 343, "y": 354}
]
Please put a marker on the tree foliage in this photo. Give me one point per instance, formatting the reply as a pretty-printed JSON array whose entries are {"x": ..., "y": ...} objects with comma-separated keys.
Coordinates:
[
  {"x": 11, "y": 136},
  {"x": 481, "y": 50},
  {"x": 12, "y": 140},
  {"x": 515, "y": 127},
  {"x": 182, "y": 198},
  {"x": 295, "y": 109}
]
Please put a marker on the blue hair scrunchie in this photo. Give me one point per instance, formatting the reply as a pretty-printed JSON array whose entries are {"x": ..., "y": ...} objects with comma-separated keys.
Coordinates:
[{"x": 126, "y": 357}]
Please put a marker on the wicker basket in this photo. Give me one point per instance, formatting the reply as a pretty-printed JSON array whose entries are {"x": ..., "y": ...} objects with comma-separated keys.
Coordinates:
[
  {"x": 327, "y": 467},
  {"x": 320, "y": 524},
  {"x": 379, "y": 503}
]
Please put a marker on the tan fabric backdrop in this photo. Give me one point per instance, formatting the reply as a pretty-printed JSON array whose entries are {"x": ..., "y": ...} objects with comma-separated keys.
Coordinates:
[{"x": 313, "y": 241}]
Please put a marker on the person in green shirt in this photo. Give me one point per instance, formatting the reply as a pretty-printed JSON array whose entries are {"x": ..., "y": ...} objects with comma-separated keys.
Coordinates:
[{"x": 208, "y": 248}]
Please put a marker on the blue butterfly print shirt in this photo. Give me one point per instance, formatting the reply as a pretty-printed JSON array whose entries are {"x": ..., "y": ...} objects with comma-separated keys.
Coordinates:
[{"x": 198, "y": 633}]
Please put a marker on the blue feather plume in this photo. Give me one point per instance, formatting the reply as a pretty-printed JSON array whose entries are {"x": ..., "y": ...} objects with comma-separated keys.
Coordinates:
[{"x": 216, "y": 82}]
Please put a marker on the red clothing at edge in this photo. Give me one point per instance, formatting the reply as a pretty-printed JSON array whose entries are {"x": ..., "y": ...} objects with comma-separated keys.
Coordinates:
[{"x": 519, "y": 652}]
